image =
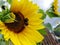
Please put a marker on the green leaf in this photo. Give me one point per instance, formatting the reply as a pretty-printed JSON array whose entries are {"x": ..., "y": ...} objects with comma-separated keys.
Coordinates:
[
  {"x": 9, "y": 1},
  {"x": 2, "y": 40},
  {"x": 42, "y": 31},
  {"x": 5, "y": 42},
  {"x": 6, "y": 16},
  {"x": 50, "y": 12},
  {"x": 9, "y": 42},
  {"x": 6, "y": 11},
  {"x": 48, "y": 26},
  {"x": 9, "y": 18},
  {"x": 42, "y": 11},
  {"x": 57, "y": 30},
  {"x": 39, "y": 43},
  {"x": 1, "y": 37},
  {"x": 1, "y": 15},
  {"x": 44, "y": 16}
]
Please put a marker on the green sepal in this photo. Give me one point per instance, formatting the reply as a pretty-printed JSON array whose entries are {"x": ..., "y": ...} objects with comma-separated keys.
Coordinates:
[
  {"x": 43, "y": 13},
  {"x": 48, "y": 26},
  {"x": 7, "y": 16},
  {"x": 43, "y": 31}
]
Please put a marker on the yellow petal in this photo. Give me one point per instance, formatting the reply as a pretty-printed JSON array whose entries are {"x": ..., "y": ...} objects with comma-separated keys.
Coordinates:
[
  {"x": 24, "y": 40},
  {"x": 14, "y": 38},
  {"x": 36, "y": 27},
  {"x": 33, "y": 35},
  {"x": 29, "y": 8},
  {"x": 16, "y": 5}
]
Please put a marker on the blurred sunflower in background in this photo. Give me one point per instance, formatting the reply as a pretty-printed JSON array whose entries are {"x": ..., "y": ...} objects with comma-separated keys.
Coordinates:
[
  {"x": 57, "y": 7},
  {"x": 27, "y": 20},
  {"x": 54, "y": 10}
]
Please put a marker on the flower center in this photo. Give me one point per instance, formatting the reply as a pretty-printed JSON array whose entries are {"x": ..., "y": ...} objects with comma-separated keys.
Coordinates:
[{"x": 18, "y": 25}]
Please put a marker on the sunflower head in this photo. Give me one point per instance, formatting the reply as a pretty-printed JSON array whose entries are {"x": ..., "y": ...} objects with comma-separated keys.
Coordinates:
[
  {"x": 27, "y": 20},
  {"x": 57, "y": 7}
]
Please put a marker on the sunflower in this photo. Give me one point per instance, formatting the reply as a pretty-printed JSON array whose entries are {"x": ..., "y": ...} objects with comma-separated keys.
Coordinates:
[
  {"x": 24, "y": 30},
  {"x": 57, "y": 7}
]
